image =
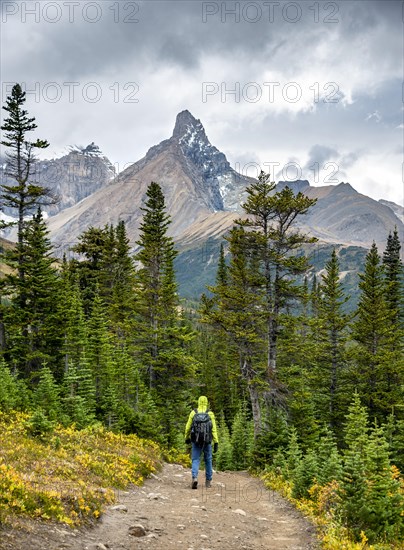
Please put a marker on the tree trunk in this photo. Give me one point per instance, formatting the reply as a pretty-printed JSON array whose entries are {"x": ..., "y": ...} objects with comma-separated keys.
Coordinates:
[
  {"x": 256, "y": 410},
  {"x": 247, "y": 373}
]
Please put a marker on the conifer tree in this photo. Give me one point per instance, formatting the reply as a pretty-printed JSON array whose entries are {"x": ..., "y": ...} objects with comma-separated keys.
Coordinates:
[
  {"x": 74, "y": 325},
  {"x": 46, "y": 396},
  {"x": 353, "y": 484},
  {"x": 241, "y": 439},
  {"x": 328, "y": 458},
  {"x": 163, "y": 337},
  {"x": 271, "y": 218},
  {"x": 224, "y": 457},
  {"x": 237, "y": 309},
  {"x": 218, "y": 356},
  {"x": 13, "y": 391},
  {"x": 74, "y": 404},
  {"x": 23, "y": 194},
  {"x": 371, "y": 498},
  {"x": 305, "y": 475},
  {"x": 293, "y": 453},
  {"x": 99, "y": 350},
  {"x": 394, "y": 275},
  {"x": 332, "y": 332},
  {"x": 384, "y": 513},
  {"x": 156, "y": 255},
  {"x": 94, "y": 247},
  {"x": 123, "y": 292},
  {"x": 377, "y": 373},
  {"x": 33, "y": 322},
  {"x": 261, "y": 274}
]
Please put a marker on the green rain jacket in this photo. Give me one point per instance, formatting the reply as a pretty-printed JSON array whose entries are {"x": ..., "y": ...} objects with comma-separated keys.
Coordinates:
[{"x": 202, "y": 407}]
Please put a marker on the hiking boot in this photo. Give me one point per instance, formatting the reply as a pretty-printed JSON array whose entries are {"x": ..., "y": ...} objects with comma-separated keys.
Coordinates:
[
  {"x": 194, "y": 483},
  {"x": 208, "y": 484}
]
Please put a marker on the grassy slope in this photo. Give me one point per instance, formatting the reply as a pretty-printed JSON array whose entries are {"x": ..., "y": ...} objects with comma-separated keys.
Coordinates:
[{"x": 67, "y": 475}]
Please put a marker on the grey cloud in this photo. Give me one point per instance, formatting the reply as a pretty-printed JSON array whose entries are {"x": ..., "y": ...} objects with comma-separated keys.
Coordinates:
[
  {"x": 175, "y": 30},
  {"x": 172, "y": 34},
  {"x": 321, "y": 154}
]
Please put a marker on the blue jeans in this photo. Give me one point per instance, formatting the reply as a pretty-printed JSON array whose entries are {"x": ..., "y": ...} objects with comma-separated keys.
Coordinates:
[{"x": 196, "y": 457}]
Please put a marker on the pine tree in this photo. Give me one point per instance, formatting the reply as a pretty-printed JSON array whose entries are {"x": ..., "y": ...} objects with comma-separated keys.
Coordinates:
[
  {"x": 46, "y": 396},
  {"x": 123, "y": 295},
  {"x": 353, "y": 484},
  {"x": 378, "y": 375},
  {"x": 394, "y": 275},
  {"x": 163, "y": 336},
  {"x": 261, "y": 282},
  {"x": 13, "y": 392},
  {"x": 371, "y": 497},
  {"x": 24, "y": 195},
  {"x": 332, "y": 332},
  {"x": 74, "y": 324},
  {"x": 271, "y": 217},
  {"x": 33, "y": 319},
  {"x": 241, "y": 439},
  {"x": 94, "y": 247},
  {"x": 224, "y": 457}
]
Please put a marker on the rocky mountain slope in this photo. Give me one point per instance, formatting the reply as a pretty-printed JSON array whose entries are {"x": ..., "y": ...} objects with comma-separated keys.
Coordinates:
[
  {"x": 204, "y": 196},
  {"x": 195, "y": 176},
  {"x": 72, "y": 177}
]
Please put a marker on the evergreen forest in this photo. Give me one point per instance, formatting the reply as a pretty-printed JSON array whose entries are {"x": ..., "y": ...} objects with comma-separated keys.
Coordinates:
[{"x": 305, "y": 393}]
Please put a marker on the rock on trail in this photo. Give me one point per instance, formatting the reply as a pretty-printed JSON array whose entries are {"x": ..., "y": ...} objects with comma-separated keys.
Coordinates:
[{"x": 237, "y": 512}]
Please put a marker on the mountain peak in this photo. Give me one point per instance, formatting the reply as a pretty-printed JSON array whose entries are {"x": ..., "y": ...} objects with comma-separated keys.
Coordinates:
[{"x": 184, "y": 123}]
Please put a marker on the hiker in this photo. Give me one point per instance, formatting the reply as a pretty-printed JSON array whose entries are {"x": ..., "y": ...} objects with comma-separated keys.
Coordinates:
[{"x": 200, "y": 431}]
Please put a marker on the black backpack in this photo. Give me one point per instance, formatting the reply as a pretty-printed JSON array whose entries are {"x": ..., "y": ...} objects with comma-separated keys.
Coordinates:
[{"x": 201, "y": 428}]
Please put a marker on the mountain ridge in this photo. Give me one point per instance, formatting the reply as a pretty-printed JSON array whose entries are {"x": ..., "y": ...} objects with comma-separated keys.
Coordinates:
[{"x": 204, "y": 195}]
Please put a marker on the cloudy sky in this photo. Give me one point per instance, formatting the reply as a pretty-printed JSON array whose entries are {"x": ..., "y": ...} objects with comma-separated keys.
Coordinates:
[{"x": 301, "y": 89}]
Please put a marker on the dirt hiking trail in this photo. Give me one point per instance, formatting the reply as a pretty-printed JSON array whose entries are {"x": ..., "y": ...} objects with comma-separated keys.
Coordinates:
[{"x": 237, "y": 512}]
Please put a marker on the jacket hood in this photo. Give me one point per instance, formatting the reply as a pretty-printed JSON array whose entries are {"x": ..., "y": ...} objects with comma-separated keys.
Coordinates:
[{"x": 202, "y": 403}]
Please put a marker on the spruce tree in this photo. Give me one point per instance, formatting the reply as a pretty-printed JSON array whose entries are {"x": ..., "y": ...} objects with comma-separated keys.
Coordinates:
[
  {"x": 371, "y": 497},
  {"x": 23, "y": 194},
  {"x": 241, "y": 439},
  {"x": 332, "y": 331},
  {"x": 163, "y": 337},
  {"x": 99, "y": 352},
  {"x": 14, "y": 393},
  {"x": 238, "y": 309},
  {"x": 123, "y": 292},
  {"x": 394, "y": 275},
  {"x": 93, "y": 248},
  {"x": 74, "y": 405},
  {"x": 74, "y": 323},
  {"x": 156, "y": 256},
  {"x": 384, "y": 513},
  {"x": 376, "y": 370},
  {"x": 46, "y": 396},
  {"x": 328, "y": 458},
  {"x": 33, "y": 319},
  {"x": 261, "y": 282},
  {"x": 353, "y": 484},
  {"x": 224, "y": 457},
  {"x": 271, "y": 217}
]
